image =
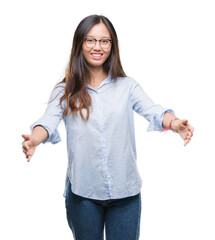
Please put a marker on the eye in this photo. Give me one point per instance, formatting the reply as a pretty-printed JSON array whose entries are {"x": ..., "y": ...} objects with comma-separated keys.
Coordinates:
[
  {"x": 104, "y": 41},
  {"x": 90, "y": 40}
]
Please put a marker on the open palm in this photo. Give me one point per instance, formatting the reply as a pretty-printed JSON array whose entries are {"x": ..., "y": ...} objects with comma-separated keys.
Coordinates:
[
  {"x": 185, "y": 130},
  {"x": 28, "y": 146}
]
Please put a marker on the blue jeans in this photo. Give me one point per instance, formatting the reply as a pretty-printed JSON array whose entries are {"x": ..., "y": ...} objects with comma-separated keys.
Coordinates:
[{"x": 86, "y": 217}]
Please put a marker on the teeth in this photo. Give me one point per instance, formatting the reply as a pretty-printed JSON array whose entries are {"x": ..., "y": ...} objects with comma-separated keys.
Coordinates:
[{"x": 97, "y": 55}]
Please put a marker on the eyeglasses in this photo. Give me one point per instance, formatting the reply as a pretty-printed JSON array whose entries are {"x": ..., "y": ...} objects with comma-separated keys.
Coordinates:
[{"x": 91, "y": 42}]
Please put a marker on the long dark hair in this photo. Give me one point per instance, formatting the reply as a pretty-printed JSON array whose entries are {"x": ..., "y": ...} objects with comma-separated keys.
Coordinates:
[{"x": 77, "y": 72}]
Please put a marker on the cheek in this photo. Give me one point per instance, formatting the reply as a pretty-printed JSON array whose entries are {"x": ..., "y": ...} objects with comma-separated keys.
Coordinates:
[
  {"x": 85, "y": 55},
  {"x": 107, "y": 54},
  {"x": 85, "y": 52}
]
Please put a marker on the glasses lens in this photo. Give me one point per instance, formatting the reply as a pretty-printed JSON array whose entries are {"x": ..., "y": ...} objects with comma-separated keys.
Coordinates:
[
  {"x": 90, "y": 42},
  {"x": 105, "y": 43}
]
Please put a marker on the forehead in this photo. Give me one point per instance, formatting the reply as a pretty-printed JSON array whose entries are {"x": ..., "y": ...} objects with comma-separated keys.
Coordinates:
[{"x": 99, "y": 30}]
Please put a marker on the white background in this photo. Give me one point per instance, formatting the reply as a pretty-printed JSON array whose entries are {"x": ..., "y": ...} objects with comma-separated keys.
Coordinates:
[{"x": 168, "y": 47}]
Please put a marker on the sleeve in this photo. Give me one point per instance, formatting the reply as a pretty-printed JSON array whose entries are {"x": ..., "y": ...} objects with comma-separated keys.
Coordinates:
[
  {"x": 53, "y": 115},
  {"x": 145, "y": 107}
]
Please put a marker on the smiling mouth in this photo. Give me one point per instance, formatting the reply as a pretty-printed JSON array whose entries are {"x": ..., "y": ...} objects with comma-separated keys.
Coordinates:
[{"x": 96, "y": 54}]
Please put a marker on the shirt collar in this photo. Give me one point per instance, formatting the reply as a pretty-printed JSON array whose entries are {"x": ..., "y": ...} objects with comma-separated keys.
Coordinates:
[{"x": 105, "y": 81}]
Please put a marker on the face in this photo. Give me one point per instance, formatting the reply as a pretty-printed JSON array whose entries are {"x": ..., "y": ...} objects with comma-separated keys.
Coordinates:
[{"x": 97, "y": 55}]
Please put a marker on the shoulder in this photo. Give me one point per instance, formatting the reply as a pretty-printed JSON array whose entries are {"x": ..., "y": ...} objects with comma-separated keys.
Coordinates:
[
  {"x": 59, "y": 87},
  {"x": 128, "y": 81},
  {"x": 58, "y": 90}
]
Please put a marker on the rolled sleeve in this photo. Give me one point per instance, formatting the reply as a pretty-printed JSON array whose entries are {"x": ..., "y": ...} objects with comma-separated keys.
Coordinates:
[
  {"x": 144, "y": 106},
  {"x": 156, "y": 122},
  {"x": 52, "y": 116},
  {"x": 53, "y": 136}
]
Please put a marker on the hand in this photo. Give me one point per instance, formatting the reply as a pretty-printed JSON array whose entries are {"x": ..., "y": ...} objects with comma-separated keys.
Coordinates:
[
  {"x": 28, "y": 146},
  {"x": 185, "y": 130}
]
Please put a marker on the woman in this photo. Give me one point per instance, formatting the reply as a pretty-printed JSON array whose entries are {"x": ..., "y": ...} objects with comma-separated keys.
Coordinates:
[{"x": 96, "y": 100}]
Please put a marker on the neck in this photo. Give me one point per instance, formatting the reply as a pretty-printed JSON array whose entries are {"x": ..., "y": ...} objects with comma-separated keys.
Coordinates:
[{"x": 97, "y": 75}]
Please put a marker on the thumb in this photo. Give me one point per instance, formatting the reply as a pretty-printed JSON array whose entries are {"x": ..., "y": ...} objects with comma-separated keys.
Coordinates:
[
  {"x": 184, "y": 122},
  {"x": 26, "y": 136}
]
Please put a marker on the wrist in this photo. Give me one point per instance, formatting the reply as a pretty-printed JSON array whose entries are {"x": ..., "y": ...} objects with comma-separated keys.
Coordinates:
[
  {"x": 175, "y": 125},
  {"x": 34, "y": 141}
]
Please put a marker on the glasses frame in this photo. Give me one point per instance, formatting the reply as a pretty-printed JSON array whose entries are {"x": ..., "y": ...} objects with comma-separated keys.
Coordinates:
[{"x": 96, "y": 40}]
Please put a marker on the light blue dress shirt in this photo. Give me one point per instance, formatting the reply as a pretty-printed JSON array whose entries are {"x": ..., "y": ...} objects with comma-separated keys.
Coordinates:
[{"x": 102, "y": 151}]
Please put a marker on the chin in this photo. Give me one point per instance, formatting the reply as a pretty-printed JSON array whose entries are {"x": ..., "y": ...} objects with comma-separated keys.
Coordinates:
[{"x": 96, "y": 65}]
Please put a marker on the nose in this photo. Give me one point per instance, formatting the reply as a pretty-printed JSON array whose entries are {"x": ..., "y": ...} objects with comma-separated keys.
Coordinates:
[{"x": 97, "y": 45}]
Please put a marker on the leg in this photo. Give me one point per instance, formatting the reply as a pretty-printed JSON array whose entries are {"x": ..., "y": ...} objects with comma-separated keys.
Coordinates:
[
  {"x": 122, "y": 219},
  {"x": 85, "y": 218}
]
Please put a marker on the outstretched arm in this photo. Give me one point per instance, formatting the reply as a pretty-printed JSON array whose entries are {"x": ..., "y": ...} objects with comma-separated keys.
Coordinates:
[
  {"x": 182, "y": 127},
  {"x": 45, "y": 129}
]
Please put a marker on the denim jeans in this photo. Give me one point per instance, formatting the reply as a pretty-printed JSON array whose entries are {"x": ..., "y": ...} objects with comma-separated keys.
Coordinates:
[{"x": 87, "y": 217}]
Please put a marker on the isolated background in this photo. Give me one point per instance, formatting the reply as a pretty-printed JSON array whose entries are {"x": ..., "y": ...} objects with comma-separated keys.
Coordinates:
[{"x": 168, "y": 47}]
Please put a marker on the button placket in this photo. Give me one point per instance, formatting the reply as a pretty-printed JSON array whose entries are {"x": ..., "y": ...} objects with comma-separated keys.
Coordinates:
[{"x": 104, "y": 157}]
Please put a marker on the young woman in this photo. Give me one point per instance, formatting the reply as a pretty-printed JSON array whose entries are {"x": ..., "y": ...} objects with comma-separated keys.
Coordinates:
[{"x": 96, "y": 100}]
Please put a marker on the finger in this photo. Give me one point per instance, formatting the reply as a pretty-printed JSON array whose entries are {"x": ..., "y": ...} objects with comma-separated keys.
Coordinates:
[
  {"x": 184, "y": 122},
  {"x": 186, "y": 142},
  {"x": 191, "y": 131},
  {"x": 187, "y": 139},
  {"x": 26, "y": 136},
  {"x": 27, "y": 152},
  {"x": 191, "y": 128},
  {"x": 24, "y": 150},
  {"x": 26, "y": 146},
  {"x": 189, "y": 134},
  {"x": 28, "y": 156}
]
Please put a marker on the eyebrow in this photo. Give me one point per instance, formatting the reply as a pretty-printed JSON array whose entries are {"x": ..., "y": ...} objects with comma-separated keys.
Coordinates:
[{"x": 94, "y": 36}]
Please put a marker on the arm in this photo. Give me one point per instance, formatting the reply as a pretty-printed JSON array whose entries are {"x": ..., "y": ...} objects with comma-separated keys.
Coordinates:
[
  {"x": 52, "y": 116},
  {"x": 182, "y": 127},
  {"x": 158, "y": 116},
  {"x": 45, "y": 129},
  {"x": 144, "y": 106}
]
